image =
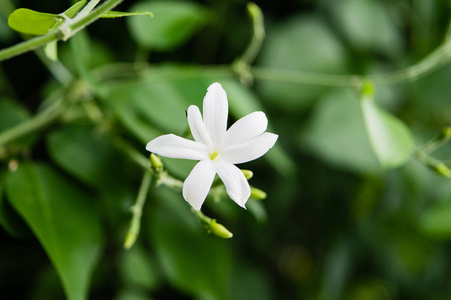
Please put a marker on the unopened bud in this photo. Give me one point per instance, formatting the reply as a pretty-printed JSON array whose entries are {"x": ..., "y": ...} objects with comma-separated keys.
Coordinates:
[
  {"x": 219, "y": 230},
  {"x": 156, "y": 163},
  {"x": 367, "y": 89},
  {"x": 257, "y": 193},
  {"x": 248, "y": 174}
]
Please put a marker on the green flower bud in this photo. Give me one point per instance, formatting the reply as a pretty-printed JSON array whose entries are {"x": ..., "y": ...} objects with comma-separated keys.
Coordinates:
[
  {"x": 248, "y": 174},
  {"x": 257, "y": 193},
  {"x": 156, "y": 163},
  {"x": 367, "y": 89},
  {"x": 219, "y": 230}
]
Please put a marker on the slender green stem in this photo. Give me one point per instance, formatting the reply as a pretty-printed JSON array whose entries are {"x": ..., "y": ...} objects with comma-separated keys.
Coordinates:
[
  {"x": 80, "y": 21},
  {"x": 308, "y": 78},
  {"x": 241, "y": 66},
  {"x": 435, "y": 60},
  {"x": 443, "y": 138},
  {"x": 88, "y": 8},
  {"x": 64, "y": 32},
  {"x": 258, "y": 34},
  {"x": 38, "y": 122},
  {"x": 58, "y": 70},
  {"x": 435, "y": 165},
  {"x": 29, "y": 45},
  {"x": 135, "y": 224},
  {"x": 165, "y": 179},
  {"x": 212, "y": 226},
  {"x": 202, "y": 218}
]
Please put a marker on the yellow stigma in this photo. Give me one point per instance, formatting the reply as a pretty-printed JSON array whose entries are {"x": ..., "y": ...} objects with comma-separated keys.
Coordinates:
[{"x": 213, "y": 155}]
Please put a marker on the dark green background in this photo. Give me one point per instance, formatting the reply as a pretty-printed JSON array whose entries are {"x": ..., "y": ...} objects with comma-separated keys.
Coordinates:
[{"x": 334, "y": 225}]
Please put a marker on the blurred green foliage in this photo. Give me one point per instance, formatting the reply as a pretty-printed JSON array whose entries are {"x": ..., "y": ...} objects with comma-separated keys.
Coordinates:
[{"x": 335, "y": 224}]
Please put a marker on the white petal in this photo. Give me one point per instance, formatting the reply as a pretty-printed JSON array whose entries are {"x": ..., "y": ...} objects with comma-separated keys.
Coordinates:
[
  {"x": 235, "y": 182},
  {"x": 173, "y": 146},
  {"x": 246, "y": 129},
  {"x": 250, "y": 150},
  {"x": 198, "y": 183},
  {"x": 197, "y": 126},
  {"x": 215, "y": 112}
]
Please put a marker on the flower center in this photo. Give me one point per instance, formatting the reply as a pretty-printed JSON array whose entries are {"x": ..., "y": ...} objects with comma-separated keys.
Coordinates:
[{"x": 213, "y": 155}]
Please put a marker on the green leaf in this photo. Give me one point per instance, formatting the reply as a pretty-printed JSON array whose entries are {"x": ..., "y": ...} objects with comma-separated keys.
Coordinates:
[
  {"x": 32, "y": 22},
  {"x": 37, "y": 23},
  {"x": 63, "y": 219},
  {"x": 172, "y": 25},
  {"x": 11, "y": 114},
  {"x": 336, "y": 133},
  {"x": 193, "y": 260},
  {"x": 304, "y": 44},
  {"x": 389, "y": 138},
  {"x": 119, "y": 14},
  {"x": 137, "y": 268},
  {"x": 88, "y": 155},
  {"x": 436, "y": 222},
  {"x": 10, "y": 220},
  {"x": 74, "y": 9},
  {"x": 367, "y": 25},
  {"x": 91, "y": 157}
]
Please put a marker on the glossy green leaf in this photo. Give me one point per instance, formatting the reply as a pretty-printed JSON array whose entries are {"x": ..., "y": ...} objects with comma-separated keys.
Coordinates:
[
  {"x": 37, "y": 23},
  {"x": 389, "y": 138},
  {"x": 120, "y": 14},
  {"x": 32, "y": 22},
  {"x": 63, "y": 219},
  {"x": 174, "y": 22},
  {"x": 436, "y": 222}
]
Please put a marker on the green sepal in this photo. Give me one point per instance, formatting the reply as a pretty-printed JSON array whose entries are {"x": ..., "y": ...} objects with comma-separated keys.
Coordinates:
[{"x": 120, "y": 14}]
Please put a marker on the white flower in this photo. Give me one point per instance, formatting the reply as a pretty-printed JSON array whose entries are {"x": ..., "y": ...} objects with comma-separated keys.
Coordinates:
[{"x": 216, "y": 148}]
